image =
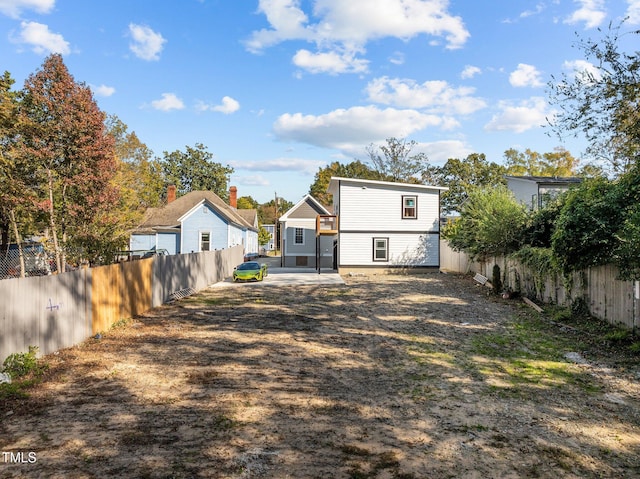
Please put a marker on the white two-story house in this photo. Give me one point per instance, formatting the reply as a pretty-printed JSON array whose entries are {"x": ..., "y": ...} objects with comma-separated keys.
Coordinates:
[{"x": 386, "y": 225}]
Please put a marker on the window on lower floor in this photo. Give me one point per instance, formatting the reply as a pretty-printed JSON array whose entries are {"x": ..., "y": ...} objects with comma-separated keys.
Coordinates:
[
  {"x": 205, "y": 241},
  {"x": 299, "y": 236},
  {"x": 380, "y": 249}
]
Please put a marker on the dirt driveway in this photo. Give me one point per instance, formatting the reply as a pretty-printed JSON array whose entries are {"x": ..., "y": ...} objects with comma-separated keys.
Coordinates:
[{"x": 385, "y": 377}]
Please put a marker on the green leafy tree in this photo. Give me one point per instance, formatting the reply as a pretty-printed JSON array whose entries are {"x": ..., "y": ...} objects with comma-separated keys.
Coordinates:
[
  {"x": 627, "y": 253},
  {"x": 463, "y": 177},
  {"x": 140, "y": 176},
  {"x": 195, "y": 170},
  {"x": 585, "y": 230},
  {"x": 72, "y": 157},
  {"x": 355, "y": 169},
  {"x": 269, "y": 212},
  {"x": 525, "y": 163},
  {"x": 491, "y": 223},
  {"x": 602, "y": 103},
  {"x": 263, "y": 236},
  {"x": 247, "y": 203},
  {"x": 394, "y": 161}
]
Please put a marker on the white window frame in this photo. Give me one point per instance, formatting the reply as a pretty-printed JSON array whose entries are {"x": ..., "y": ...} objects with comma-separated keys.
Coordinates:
[
  {"x": 376, "y": 249},
  {"x": 201, "y": 242},
  {"x": 295, "y": 235},
  {"x": 405, "y": 216}
]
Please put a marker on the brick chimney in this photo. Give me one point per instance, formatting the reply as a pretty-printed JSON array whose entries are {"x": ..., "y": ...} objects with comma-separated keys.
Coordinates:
[
  {"x": 233, "y": 197},
  {"x": 171, "y": 193}
]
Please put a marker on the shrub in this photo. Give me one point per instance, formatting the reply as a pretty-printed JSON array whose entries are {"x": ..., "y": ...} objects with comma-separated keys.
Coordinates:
[
  {"x": 18, "y": 365},
  {"x": 491, "y": 223}
]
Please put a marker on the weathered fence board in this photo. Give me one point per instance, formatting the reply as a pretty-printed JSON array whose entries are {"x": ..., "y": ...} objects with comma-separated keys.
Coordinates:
[
  {"x": 59, "y": 311},
  {"x": 606, "y": 296}
]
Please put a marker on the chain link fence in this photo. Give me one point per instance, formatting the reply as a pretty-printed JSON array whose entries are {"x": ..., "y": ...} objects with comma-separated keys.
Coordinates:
[{"x": 37, "y": 261}]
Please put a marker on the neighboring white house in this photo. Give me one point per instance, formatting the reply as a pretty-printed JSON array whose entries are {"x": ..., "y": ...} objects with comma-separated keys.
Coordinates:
[
  {"x": 384, "y": 224},
  {"x": 299, "y": 245},
  {"x": 535, "y": 191}
]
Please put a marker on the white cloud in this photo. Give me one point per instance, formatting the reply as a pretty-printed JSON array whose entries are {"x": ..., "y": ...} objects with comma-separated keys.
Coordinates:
[
  {"x": 435, "y": 96},
  {"x": 531, "y": 113},
  {"x": 168, "y": 102},
  {"x": 346, "y": 27},
  {"x": 344, "y": 128},
  {"x": 41, "y": 39},
  {"x": 397, "y": 58},
  {"x": 251, "y": 180},
  {"x": 228, "y": 106},
  {"x": 525, "y": 75},
  {"x": 146, "y": 43},
  {"x": 470, "y": 71},
  {"x": 329, "y": 62},
  {"x": 582, "y": 69},
  {"x": 633, "y": 12},
  {"x": 441, "y": 151},
  {"x": 280, "y": 164},
  {"x": 13, "y": 8},
  {"x": 103, "y": 90},
  {"x": 591, "y": 13}
]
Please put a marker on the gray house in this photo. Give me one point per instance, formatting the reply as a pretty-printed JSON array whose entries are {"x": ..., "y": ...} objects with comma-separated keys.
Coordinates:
[
  {"x": 299, "y": 244},
  {"x": 535, "y": 191},
  {"x": 197, "y": 221}
]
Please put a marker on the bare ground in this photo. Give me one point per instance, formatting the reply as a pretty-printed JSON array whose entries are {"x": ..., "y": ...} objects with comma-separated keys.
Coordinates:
[{"x": 387, "y": 377}]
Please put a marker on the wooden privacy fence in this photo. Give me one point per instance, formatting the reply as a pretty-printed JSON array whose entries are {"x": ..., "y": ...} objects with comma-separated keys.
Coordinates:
[
  {"x": 607, "y": 297},
  {"x": 59, "y": 311}
]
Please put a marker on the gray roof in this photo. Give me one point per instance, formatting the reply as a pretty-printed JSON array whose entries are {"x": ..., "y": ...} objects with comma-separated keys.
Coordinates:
[
  {"x": 547, "y": 179},
  {"x": 169, "y": 215}
]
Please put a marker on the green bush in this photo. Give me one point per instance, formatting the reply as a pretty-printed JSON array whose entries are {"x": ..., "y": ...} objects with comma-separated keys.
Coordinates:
[
  {"x": 18, "y": 365},
  {"x": 491, "y": 223}
]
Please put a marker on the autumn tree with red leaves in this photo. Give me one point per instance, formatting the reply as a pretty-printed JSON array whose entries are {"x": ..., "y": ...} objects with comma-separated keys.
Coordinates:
[{"x": 72, "y": 158}]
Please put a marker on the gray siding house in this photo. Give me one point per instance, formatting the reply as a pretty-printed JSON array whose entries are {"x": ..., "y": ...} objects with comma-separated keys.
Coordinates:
[{"x": 298, "y": 243}]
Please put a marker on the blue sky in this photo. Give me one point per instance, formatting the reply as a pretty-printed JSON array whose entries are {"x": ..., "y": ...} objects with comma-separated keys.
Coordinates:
[{"x": 279, "y": 88}]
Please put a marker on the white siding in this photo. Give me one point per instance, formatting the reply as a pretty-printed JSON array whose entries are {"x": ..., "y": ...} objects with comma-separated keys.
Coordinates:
[
  {"x": 379, "y": 207},
  {"x": 356, "y": 249}
]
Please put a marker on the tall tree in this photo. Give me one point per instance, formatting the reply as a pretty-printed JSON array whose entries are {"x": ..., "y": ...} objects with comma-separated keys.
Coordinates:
[
  {"x": 394, "y": 161},
  {"x": 195, "y": 170},
  {"x": 65, "y": 139},
  {"x": 602, "y": 102},
  {"x": 462, "y": 177},
  {"x": 17, "y": 194},
  {"x": 247, "y": 203},
  {"x": 355, "y": 169},
  {"x": 140, "y": 175},
  {"x": 525, "y": 163}
]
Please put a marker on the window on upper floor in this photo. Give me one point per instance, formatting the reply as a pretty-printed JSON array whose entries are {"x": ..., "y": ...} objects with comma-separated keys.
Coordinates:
[{"x": 410, "y": 207}]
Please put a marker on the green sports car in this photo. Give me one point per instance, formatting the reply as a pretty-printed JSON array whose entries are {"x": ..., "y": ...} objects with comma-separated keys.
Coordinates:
[{"x": 251, "y": 270}]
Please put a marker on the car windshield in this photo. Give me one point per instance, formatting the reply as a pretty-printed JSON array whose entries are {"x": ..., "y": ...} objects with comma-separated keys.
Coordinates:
[{"x": 249, "y": 266}]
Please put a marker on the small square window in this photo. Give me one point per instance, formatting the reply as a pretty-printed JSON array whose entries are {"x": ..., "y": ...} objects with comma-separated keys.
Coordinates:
[
  {"x": 299, "y": 236},
  {"x": 380, "y": 249},
  {"x": 409, "y": 207}
]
